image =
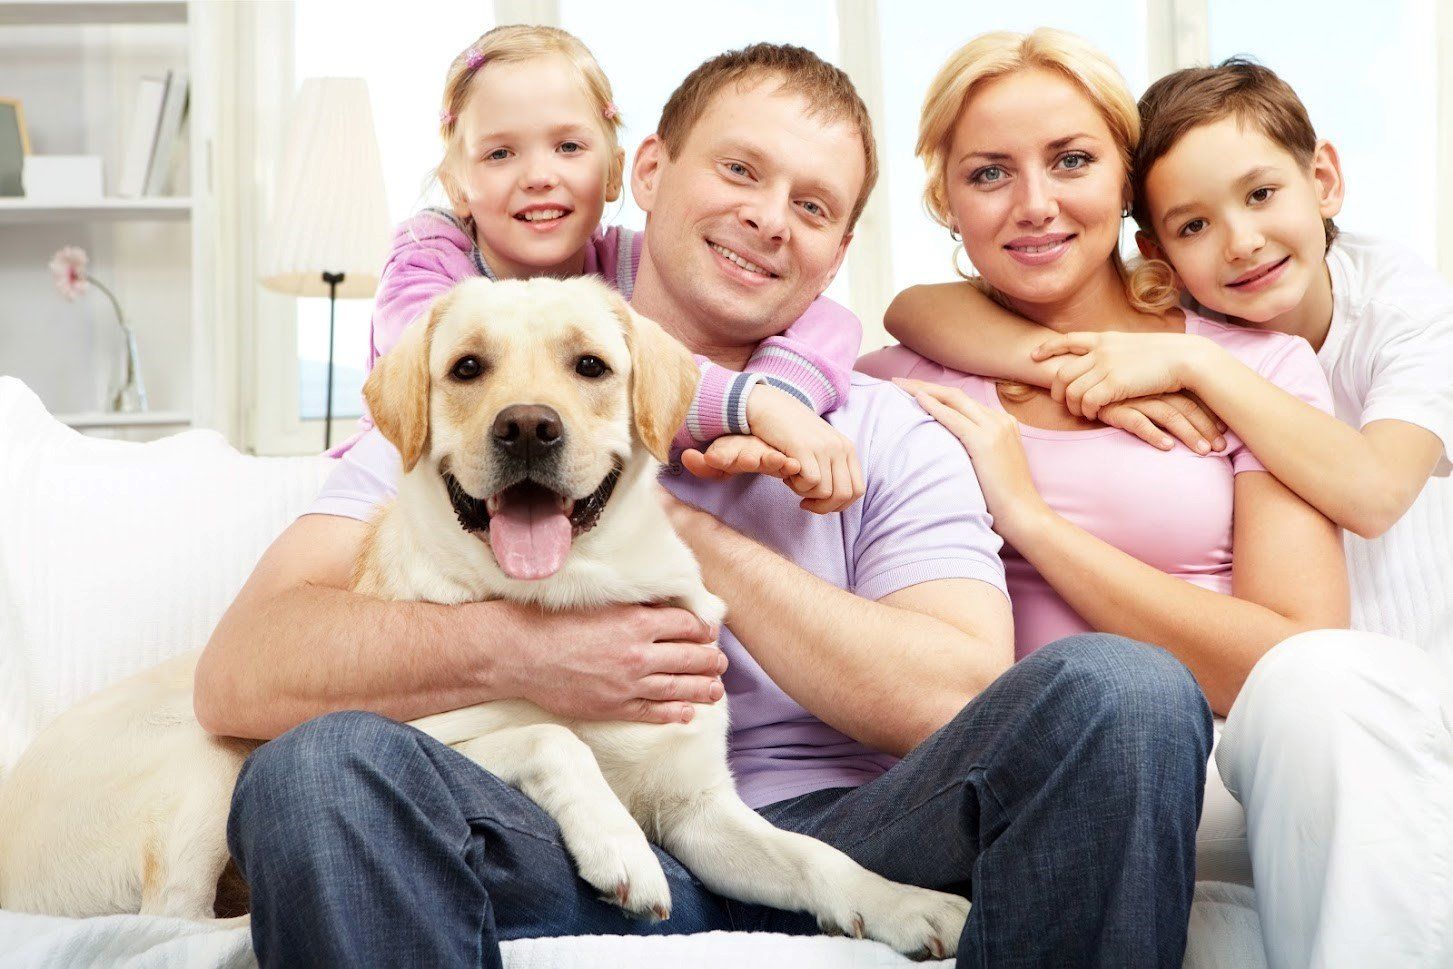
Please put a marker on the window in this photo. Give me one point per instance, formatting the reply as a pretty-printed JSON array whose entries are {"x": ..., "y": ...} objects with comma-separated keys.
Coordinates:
[
  {"x": 1371, "y": 88},
  {"x": 404, "y": 60}
]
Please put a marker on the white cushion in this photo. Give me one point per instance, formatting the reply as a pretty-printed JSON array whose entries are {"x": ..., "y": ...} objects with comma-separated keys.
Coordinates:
[{"x": 116, "y": 555}]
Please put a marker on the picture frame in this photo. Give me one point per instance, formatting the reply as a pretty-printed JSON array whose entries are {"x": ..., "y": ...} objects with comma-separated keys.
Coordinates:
[{"x": 14, "y": 146}]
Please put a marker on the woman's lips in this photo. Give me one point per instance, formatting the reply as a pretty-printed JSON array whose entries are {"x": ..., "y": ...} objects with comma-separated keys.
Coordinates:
[
  {"x": 1259, "y": 279},
  {"x": 1039, "y": 250}
]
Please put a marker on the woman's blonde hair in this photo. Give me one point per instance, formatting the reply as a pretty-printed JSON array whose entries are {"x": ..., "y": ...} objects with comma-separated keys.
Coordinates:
[
  {"x": 513, "y": 44},
  {"x": 1151, "y": 284}
]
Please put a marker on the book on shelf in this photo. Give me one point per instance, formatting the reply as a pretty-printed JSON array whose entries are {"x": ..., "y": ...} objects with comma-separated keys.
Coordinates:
[{"x": 151, "y": 142}]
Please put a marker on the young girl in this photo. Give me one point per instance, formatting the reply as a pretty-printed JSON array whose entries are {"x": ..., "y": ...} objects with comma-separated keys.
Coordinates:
[
  {"x": 1335, "y": 734},
  {"x": 531, "y": 157}
]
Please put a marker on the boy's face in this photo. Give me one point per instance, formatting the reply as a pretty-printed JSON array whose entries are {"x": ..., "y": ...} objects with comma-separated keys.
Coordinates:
[{"x": 1240, "y": 219}]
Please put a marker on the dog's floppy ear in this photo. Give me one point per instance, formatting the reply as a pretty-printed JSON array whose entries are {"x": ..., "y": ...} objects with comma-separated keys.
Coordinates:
[
  {"x": 663, "y": 379},
  {"x": 397, "y": 390}
]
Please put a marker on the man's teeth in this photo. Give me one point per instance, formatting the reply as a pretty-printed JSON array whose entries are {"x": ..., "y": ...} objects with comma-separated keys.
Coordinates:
[
  {"x": 726, "y": 253},
  {"x": 542, "y": 215}
]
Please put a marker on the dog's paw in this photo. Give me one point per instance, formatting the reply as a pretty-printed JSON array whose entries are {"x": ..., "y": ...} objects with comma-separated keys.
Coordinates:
[
  {"x": 626, "y": 872},
  {"x": 919, "y": 923}
]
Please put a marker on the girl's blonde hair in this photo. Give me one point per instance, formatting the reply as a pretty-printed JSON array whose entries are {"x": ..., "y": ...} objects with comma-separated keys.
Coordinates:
[
  {"x": 513, "y": 44},
  {"x": 1151, "y": 284}
]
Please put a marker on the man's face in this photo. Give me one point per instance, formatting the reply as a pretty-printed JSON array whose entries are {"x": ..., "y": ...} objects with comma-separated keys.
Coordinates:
[{"x": 748, "y": 225}]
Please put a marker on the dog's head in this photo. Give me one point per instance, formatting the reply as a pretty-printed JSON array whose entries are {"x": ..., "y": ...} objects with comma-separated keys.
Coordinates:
[{"x": 529, "y": 399}]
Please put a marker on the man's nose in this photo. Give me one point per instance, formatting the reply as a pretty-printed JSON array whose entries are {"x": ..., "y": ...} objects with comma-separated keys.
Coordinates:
[
  {"x": 528, "y": 431},
  {"x": 767, "y": 215}
]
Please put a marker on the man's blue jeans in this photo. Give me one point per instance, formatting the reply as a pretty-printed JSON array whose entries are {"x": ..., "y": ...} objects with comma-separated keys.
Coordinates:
[{"x": 1063, "y": 801}]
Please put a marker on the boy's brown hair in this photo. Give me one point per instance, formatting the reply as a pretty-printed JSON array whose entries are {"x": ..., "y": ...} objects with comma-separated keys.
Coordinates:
[
  {"x": 827, "y": 89},
  {"x": 1235, "y": 88}
]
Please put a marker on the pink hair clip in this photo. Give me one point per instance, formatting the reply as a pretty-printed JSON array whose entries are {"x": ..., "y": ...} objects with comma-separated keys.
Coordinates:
[
  {"x": 474, "y": 57},
  {"x": 446, "y": 117},
  {"x": 612, "y": 112}
]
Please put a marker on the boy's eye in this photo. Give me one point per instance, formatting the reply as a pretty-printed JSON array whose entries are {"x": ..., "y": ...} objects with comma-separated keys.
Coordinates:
[
  {"x": 988, "y": 175},
  {"x": 1262, "y": 194},
  {"x": 1192, "y": 227}
]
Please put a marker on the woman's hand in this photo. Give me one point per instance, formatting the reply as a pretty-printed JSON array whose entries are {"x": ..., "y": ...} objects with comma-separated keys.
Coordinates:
[
  {"x": 828, "y": 478},
  {"x": 1159, "y": 420},
  {"x": 991, "y": 437},
  {"x": 1110, "y": 367}
]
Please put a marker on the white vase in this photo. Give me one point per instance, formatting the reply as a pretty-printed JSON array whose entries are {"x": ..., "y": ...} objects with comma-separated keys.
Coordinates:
[{"x": 130, "y": 396}]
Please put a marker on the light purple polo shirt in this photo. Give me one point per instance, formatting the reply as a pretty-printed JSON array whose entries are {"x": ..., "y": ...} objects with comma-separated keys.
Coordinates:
[{"x": 922, "y": 518}]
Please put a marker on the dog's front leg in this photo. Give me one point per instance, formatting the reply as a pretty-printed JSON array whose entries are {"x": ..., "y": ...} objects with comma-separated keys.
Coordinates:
[
  {"x": 556, "y": 770},
  {"x": 737, "y": 853}
]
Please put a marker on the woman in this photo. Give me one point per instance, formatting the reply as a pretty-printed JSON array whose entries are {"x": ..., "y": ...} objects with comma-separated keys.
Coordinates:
[{"x": 1028, "y": 142}]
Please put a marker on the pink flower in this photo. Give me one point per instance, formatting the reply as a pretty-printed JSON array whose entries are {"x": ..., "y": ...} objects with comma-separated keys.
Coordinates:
[{"x": 68, "y": 269}]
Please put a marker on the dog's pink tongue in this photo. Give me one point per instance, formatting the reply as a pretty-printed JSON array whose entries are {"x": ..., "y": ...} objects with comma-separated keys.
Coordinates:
[{"x": 530, "y": 537}]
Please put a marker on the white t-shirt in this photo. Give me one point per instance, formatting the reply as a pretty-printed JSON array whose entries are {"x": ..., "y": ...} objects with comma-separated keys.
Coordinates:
[{"x": 1389, "y": 356}]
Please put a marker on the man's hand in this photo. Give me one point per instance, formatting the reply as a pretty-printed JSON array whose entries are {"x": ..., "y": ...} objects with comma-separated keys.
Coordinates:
[
  {"x": 644, "y": 663},
  {"x": 829, "y": 478}
]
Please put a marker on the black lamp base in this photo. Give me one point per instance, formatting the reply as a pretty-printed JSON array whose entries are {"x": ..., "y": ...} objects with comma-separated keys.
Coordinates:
[{"x": 332, "y": 279}]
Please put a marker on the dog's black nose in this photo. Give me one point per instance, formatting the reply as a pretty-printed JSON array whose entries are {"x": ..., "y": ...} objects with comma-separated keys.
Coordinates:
[{"x": 528, "y": 430}]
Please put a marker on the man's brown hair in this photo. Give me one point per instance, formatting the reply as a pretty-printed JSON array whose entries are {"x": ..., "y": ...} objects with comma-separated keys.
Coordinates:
[
  {"x": 829, "y": 93},
  {"x": 1235, "y": 88}
]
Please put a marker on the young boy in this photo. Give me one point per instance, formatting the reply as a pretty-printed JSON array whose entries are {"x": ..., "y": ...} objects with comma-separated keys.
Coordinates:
[{"x": 1338, "y": 746}]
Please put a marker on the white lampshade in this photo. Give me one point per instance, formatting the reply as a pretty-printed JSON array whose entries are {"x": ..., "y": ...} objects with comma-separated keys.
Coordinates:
[{"x": 331, "y": 213}]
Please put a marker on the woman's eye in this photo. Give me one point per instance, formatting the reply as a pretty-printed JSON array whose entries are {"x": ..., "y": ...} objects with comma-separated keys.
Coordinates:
[
  {"x": 985, "y": 176},
  {"x": 467, "y": 368},
  {"x": 1262, "y": 194},
  {"x": 1192, "y": 227},
  {"x": 1074, "y": 161},
  {"x": 588, "y": 366}
]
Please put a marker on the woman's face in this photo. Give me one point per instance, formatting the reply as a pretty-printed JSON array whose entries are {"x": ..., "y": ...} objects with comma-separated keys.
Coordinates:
[{"x": 1035, "y": 186}]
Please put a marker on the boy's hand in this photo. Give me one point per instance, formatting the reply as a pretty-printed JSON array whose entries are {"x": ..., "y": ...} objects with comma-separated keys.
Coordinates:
[
  {"x": 1155, "y": 419},
  {"x": 828, "y": 477},
  {"x": 1103, "y": 368}
]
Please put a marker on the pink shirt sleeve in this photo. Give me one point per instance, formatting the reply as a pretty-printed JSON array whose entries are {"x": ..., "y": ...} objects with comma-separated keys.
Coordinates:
[{"x": 1291, "y": 365}]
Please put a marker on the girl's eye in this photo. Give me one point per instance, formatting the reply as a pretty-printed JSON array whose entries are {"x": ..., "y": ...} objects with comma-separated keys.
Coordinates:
[
  {"x": 571, "y": 147},
  {"x": 988, "y": 175},
  {"x": 1074, "y": 161},
  {"x": 499, "y": 154},
  {"x": 1262, "y": 194},
  {"x": 589, "y": 366},
  {"x": 1192, "y": 227}
]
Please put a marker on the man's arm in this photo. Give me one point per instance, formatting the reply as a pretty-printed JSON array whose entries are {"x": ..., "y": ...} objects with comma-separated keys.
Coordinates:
[
  {"x": 297, "y": 643},
  {"x": 886, "y": 673}
]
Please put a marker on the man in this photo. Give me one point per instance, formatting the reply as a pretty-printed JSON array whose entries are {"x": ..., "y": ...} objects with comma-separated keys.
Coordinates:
[{"x": 1064, "y": 798}]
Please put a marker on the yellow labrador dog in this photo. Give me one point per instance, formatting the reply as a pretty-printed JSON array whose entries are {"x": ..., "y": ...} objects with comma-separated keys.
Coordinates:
[{"x": 531, "y": 418}]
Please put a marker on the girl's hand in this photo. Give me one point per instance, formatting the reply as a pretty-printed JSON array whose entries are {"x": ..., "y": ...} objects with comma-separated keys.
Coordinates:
[
  {"x": 734, "y": 454},
  {"x": 1110, "y": 367},
  {"x": 1159, "y": 420},
  {"x": 992, "y": 439},
  {"x": 828, "y": 477}
]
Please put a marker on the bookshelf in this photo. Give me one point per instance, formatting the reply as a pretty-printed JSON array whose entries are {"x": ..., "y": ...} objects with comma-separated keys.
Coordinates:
[{"x": 76, "y": 67}]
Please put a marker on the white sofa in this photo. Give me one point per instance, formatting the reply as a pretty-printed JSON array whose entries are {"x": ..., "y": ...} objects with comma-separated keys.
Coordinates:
[{"x": 115, "y": 556}]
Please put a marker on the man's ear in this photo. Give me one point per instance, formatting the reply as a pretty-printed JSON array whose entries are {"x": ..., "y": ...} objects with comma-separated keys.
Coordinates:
[
  {"x": 663, "y": 379},
  {"x": 646, "y": 172},
  {"x": 397, "y": 389},
  {"x": 1327, "y": 173}
]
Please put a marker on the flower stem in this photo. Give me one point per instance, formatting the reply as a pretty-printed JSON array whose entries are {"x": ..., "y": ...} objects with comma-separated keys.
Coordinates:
[{"x": 114, "y": 304}]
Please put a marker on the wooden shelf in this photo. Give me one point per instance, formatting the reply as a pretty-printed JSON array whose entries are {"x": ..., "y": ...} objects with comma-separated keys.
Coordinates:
[
  {"x": 148, "y": 418},
  {"x": 62, "y": 13},
  {"x": 157, "y": 209}
]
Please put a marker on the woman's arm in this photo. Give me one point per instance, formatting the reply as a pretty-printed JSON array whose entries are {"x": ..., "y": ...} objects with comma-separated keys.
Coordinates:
[
  {"x": 1362, "y": 480},
  {"x": 1219, "y": 637}
]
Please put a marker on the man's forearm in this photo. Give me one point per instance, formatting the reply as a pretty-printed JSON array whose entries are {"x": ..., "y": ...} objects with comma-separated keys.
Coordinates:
[
  {"x": 884, "y": 676},
  {"x": 276, "y": 662}
]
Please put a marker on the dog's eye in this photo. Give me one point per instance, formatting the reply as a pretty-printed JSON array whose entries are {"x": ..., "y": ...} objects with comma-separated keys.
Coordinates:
[
  {"x": 588, "y": 366},
  {"x": 467, "y": 368}
]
